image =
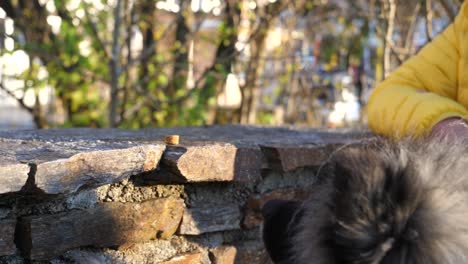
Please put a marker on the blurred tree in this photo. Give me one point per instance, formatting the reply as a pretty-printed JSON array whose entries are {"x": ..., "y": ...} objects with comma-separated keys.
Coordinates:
[
  {"x": 401, "y": 22},
  {"x": 136, "y": 89},
  {"x": 133, "y": 64}
]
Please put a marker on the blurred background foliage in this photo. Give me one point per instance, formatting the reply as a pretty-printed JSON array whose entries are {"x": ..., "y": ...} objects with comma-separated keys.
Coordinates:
[{"x": 146, "y": 63}]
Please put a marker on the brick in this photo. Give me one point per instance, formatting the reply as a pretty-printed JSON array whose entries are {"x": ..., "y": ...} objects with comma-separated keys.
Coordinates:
[
  {"x": 223, "y": 255},
  {"x": 13, "y": 177},
  {"x": 251, "y": 252},
  {"x": 96, "y": 168},
  {"x": 7, "y": 232},
  {"x": 289, "y": 157},
  {"x": 252, "y": 210},
  {"x": 190, "y": 258},
  {"x": 198, "y": 221},
  {"x": 106, "y": 225},
  {"x": 214, "y": 162}
]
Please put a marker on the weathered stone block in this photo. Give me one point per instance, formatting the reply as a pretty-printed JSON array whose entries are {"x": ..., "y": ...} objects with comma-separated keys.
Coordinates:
[
  {"x": 13, "y": 177},
  {"x": 190, "y": 258},
  {"x": 105, "y": 225},
  {"x": 197, "y": 221},
  {"x": 223, "y": 255},
  {"x": 252, "y": 252},
  {"x": 7, "y": 233},
  {"x": 96, "y": 168},
  {"x": 214, "y": 162},
  {"x": 291, "y": 157}
]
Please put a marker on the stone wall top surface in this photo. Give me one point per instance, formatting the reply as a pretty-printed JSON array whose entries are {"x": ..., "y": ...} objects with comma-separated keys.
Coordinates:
[{"x": 64, "y": 160}]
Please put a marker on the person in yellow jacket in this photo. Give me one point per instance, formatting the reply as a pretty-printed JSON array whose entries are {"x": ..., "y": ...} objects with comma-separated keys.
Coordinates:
[{"x": 428, "y": 94}]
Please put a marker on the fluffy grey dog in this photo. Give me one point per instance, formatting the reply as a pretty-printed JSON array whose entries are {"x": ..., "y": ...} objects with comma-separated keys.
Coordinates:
[{"x": 384, "y": 203}]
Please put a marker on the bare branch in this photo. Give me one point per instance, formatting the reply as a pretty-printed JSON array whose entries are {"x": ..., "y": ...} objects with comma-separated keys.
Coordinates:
[
  {"x": 8, "y": 8},
  {"x": 94, "y": 31},
  {"x": 429, "y": 14},
  {"x": 391, "y": 4},
  {"x": 132, "y": 110},
  {"x": 412, "y": 28},
  {"x": 156, "y": 101},
  {"x": 19, "y": 100},
  {"x": 449, "y": 9},
  {"x": 393, "y": 48},
  {"x": 114, "y": 65},
  {"x": 130, "y": 20},
  {"x": 149, "y": 50}
]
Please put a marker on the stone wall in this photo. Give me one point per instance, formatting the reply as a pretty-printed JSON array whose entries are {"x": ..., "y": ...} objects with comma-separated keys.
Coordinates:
[{"x": 119, "y": 196}]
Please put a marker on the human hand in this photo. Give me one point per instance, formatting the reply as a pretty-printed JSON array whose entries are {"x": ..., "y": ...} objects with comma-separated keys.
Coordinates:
[{"x": 450, "y": 129}]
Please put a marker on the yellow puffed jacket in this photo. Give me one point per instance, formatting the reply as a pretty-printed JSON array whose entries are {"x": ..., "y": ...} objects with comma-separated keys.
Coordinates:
[{"x": 429, "y": 87}]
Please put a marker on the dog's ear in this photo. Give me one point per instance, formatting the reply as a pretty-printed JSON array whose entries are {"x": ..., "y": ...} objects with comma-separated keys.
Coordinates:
[
  {"x": 346, "y": 168},
  {"x": 356, "y": 168},
  {"x": 279, "y": 216}
]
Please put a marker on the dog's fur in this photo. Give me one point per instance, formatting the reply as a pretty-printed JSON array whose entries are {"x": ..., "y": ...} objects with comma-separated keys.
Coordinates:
[{"x": 385, "y": 203}]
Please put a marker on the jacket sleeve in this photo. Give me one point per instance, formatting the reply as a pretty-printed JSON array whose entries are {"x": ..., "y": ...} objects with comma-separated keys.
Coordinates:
[{"x": 422, "y": 91}]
